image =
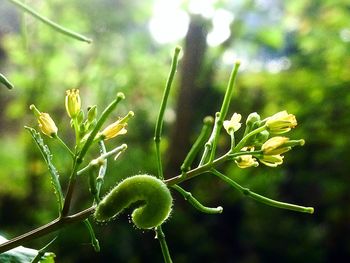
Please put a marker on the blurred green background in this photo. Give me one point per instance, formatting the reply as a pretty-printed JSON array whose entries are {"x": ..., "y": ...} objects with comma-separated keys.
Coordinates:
[{"x": 295, "y": 57}]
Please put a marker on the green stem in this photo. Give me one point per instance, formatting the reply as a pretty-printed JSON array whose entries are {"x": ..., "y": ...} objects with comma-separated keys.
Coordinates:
[
  {"x": 210, "y": 147},
  {"x": 195, "y": 203},
  {"x": 206, "y": 151},
  {"x": 24, "y": 31},
  {"x": 229, "y": 91},
  {"x": 103, "y": 167},
  {"x": 79, "y": 158},
  {"x": 241, "y": 144},
  {"x": 213, "y": 140},
  {"x": 263, "y": 199},
  {"x": 50, "y": 23},
  {"x": 41, "y": 252},
  {"x": 46, "y": 229},
  {"x": 5, "y": 81},
  {"x": 101, "y": 160},
  {"x": 159, "y": 123},
  {"x": 94, "y": 240},
  {"x": 197, "y": 171},
  {"x": 70, "y": 189},
  {"x": 198, "y": 144},
  {"x": 233, "y": 142},
  {"x": 100, "y": 122},
  {"x": 92, "y": 184},
  {"x": 163, "y": 245},
  {"x": 207, "y": 167},
  {"x": 64, "y": 145},
  {"x": 76, "y": 131}
]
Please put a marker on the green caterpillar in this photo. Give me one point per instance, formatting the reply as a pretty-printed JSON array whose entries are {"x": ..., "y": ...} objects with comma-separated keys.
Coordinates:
[{"x": 150, "y": 192}]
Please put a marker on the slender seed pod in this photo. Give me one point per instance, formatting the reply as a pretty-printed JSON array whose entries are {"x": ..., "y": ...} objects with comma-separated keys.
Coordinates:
[{"x": 151, "y": 193}]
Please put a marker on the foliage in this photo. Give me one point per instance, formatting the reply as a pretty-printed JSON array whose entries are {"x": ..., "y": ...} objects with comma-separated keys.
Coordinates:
[
  {"x": 24, "y": 255},
  {"x": 307, "y": 37}
]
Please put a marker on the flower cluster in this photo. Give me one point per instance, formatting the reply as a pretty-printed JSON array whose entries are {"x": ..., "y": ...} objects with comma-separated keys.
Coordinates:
[
  {"x": 259, "y": 141},
  {"x": 82, "y": 127}
]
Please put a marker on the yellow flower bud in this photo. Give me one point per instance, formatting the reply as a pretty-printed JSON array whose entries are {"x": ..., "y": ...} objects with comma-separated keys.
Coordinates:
[
  {"x": 271, "y": 160},
  {"x": 233, "y": 124},
  {"x": 245, "y": 161},
  {"x": 275, "y": 145},
  {"x": 72, "y": 102},
  {"x": 46, "y": 124},
  {"x": 281, "y": 122},
  {"x": 116, "y": 128}
]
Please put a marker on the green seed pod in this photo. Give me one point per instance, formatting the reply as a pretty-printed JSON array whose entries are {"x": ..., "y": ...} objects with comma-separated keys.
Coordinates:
[{"x": 151, "y": 193}]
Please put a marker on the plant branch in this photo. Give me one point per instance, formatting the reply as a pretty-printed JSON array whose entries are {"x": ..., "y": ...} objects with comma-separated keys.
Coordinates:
[
  {"x": 64, "y": 145},
  {"x": 53, "y": 226},
  {"x": 198, "y": 144},
  {"x": 50, "y": 23},
  {"x": 80, "y": 156},
  {"x": 5, "y": 81},
  {"x": 210, "y": 146},
  {"x": 260, "y": 198},
  {"x": 163, "y": 245},
  {"x": 195, "y": 203},
  {"x": 241, "y": 144},
  {"x": 159, "y": 123}
]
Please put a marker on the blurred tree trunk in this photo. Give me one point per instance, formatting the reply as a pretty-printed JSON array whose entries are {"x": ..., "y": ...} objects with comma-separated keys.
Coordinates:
[
  {"x": 197, "y": 96},
  {"x": 188, "y": 97}
]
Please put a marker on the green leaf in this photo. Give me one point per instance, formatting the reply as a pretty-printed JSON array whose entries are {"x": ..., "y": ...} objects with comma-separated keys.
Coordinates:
[
  {"x": 23, "y": 255},
  {"x": 44, "y": 149}
]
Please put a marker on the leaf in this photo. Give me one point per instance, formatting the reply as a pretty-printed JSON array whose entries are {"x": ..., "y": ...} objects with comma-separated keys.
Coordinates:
[
  {"x": 24, "y": 255},
  {"x": 45, "y": 151}
]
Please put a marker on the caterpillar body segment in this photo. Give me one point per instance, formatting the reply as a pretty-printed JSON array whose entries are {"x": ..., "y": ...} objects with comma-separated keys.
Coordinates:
[{"x": 151, "y": 194}]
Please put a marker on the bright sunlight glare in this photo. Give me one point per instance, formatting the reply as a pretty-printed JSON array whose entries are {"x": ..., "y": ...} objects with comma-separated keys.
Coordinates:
[
  {"x": 202, "y": 7},
  {"x": 170, "y": 21},
  {"x": 221, "y": 27}
]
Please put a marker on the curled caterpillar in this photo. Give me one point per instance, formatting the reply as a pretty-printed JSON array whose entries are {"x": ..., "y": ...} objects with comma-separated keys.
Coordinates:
[{"x": 151, "y": 193}]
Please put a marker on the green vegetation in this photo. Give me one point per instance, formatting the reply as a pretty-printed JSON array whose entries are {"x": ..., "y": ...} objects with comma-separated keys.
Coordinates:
[{"x": 294, "y": 57}]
